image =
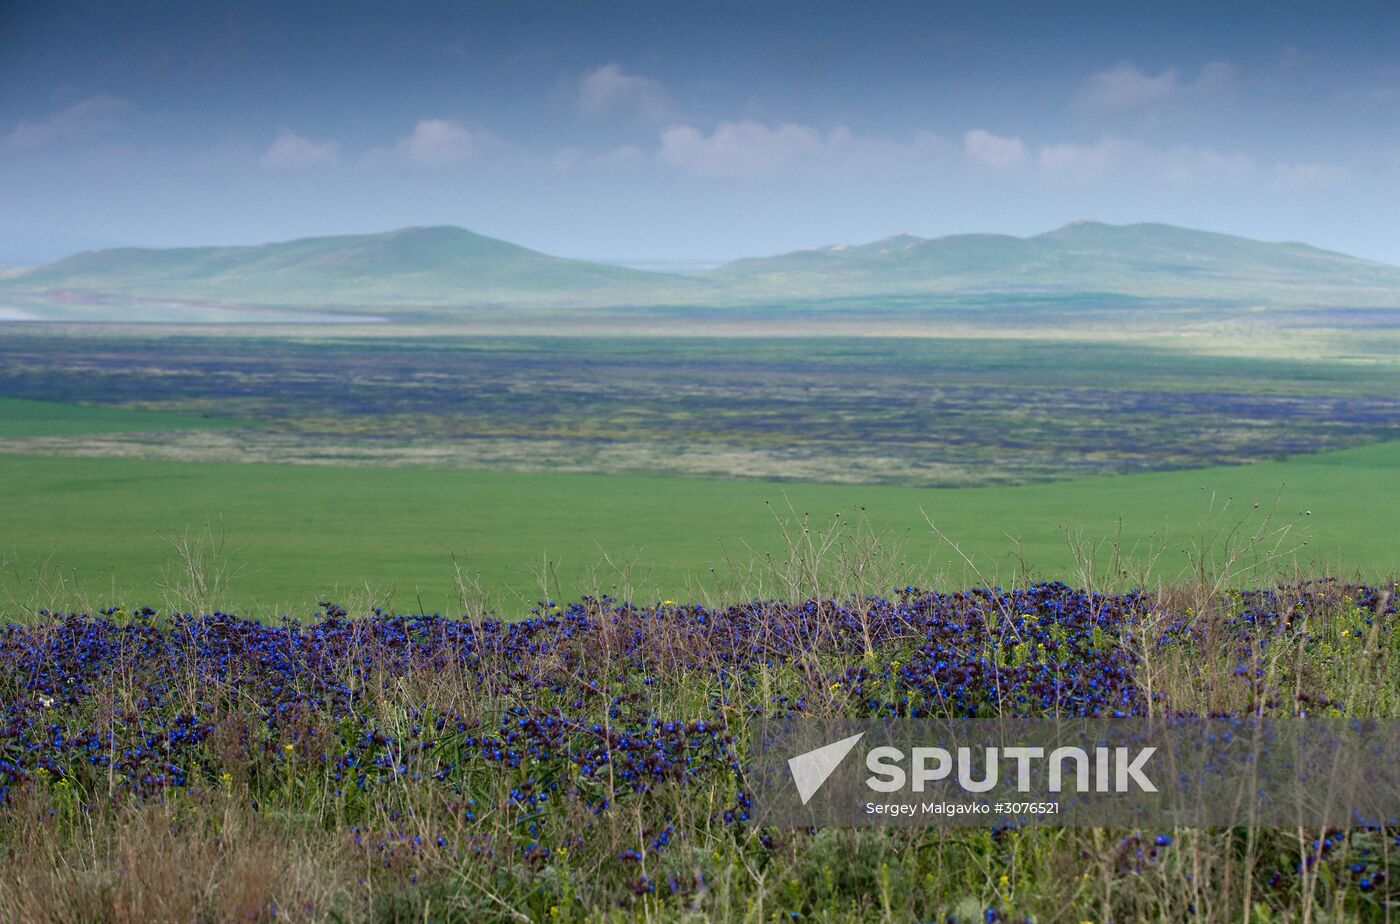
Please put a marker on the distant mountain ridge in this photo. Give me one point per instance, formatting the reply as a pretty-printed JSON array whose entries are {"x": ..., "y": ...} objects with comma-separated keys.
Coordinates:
[
  {"x": 1150, "y": 259},
  {"x": 433, "y": 271},
  {"x": 417, "y": 264}
]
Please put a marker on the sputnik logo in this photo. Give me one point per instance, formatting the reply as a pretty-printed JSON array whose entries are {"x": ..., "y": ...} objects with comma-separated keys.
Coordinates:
[{"x": 810, "y": 770}]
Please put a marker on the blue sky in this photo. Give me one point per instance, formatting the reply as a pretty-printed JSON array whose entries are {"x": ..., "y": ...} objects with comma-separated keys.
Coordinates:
[{"x": 672, "y": 130}]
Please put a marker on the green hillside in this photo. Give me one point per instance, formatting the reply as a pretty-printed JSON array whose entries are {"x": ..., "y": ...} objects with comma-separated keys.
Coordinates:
[
  {"x": 446, "y": 273},
  {"x": 1140, "y": 260},
  {"x": 412, "y": 266}
]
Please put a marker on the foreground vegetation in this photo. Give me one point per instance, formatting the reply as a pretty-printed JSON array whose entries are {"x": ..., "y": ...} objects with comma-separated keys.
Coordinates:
[{"x": 588, "y": 762}]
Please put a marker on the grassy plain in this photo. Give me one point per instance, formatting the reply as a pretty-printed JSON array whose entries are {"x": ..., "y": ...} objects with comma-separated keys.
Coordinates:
[
  {"x": 22, "y": 418},
  {"x": 668, "y": 452},
  {"x": 930, "y": 412},
  {"x": 389, "y": 535}
]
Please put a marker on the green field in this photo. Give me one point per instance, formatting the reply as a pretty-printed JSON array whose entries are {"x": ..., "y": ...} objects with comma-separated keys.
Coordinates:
[
  {"x": 20, "y": 417},
  {"x": 295, "y": 532}
]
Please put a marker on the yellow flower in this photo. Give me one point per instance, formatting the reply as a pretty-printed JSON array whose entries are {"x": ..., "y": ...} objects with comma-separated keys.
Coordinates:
[
  {"x": 1002, "y": 882},
  {"x": 288, "y": 748},
  {"x": 226, "y": 778},
  {"x": 836, "y": 686}
]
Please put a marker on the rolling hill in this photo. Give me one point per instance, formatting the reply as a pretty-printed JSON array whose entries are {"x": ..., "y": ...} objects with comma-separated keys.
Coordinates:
[
  {"x": 379, "y": 273},
  {"x": 442, "y": 271},
  {"x": 1081, "y": 257}
]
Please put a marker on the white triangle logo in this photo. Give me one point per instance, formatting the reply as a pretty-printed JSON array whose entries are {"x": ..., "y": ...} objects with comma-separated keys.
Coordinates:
[{"x": 810, "y": 770}]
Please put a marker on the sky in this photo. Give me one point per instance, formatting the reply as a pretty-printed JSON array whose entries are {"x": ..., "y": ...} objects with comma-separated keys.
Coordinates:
[{"x": 675, "y": 131}]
